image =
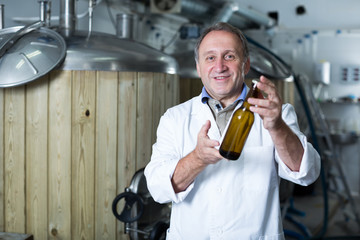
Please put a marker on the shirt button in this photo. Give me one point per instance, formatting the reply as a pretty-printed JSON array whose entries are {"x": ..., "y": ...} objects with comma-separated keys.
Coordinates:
[{"x": 219, "y": 189}]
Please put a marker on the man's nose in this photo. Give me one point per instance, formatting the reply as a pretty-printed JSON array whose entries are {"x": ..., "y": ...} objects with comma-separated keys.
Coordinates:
[{"x": 220, "y": 65}]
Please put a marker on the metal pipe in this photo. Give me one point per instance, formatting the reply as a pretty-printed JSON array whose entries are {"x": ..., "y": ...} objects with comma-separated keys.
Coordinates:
[
  {"x": 230, "y": 11},
  {"x": 126, "y": 26},
  {"x": 226, "y": 12},
  {"x": 67, "y": 17},
  {"x": 45, "y": 11},
  {"x": 255, "y": 16},
  {"x": 2, "y": 16},
  {"x": 194, "y": 7}
]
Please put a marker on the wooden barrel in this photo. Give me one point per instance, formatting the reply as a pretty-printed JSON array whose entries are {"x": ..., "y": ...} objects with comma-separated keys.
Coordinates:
[{"x": 70, "y": 142}]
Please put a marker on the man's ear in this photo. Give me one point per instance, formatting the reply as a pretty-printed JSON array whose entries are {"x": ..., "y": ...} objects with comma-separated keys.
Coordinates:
[
  {"x": 198, "y": 69},
  {"x": 247, "y": 66}
]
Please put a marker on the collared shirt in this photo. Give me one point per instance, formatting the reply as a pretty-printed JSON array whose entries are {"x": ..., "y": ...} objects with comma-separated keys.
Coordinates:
[
  {"x": 222, "y": 115},
  {"x": 229, "y": 200},
  {"x": 205, "y": 96}
]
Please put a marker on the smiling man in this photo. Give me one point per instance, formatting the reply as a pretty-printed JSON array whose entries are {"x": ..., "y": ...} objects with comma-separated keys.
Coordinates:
[{"x": 213, "y": 198}]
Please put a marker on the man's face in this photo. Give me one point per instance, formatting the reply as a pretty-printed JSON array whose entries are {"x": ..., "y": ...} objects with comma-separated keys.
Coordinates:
[{"x": 221, "y": 66}]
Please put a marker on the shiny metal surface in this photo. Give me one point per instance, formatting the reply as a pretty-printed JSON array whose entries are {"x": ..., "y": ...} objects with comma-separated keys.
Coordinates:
[
  {"x": 28, "y": 53},
  {"x": 2, "y": 16},
  {"x": 264, "y": 63},
  {"x": 126, "y": 25},
  {"x": 105, "y": 52},
  {"x": 153, "y": 211},
  {"x": 235, "y": 13},
  {"x": 187, "y": 65},
  {"x": 67, "y": 17}
]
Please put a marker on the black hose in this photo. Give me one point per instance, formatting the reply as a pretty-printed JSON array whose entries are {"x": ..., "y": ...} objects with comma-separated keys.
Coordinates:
[{"x": 317, "y": 147}]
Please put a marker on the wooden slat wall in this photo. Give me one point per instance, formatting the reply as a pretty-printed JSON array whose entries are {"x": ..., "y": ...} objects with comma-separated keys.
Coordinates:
[
  {"x": 2, "y": 166},
  {"x": 126, "y": 160},
  {"x": 36, "y": 164},
  {"x": 70, "y": 142},
  {"x": 59, "y": 149},
  {"x": 105, "y": 158},
  {"x": 189, "y": 88},
  {"x": 83, "y": 154},
  {"x": 14, "y": 151},
  {"x": 144, "y": 118}
]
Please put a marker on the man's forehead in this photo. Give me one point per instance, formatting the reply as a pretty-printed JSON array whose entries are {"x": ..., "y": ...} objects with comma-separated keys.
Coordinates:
[
  {"x": 217, "y": 51},
  {"x": 219, "y": 38}
]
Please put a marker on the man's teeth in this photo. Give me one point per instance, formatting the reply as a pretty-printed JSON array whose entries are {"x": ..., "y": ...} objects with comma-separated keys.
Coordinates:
[{"x": 219, "y": 78}]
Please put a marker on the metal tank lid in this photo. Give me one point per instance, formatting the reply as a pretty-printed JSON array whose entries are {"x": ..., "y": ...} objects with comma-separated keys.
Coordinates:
[
  {"x": 105, "y": 52},
  {"x": 27, "y": 53}
]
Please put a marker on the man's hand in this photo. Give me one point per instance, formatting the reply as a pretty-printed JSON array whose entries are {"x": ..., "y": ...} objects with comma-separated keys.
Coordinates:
[
  {"x": 205, "y": 150},
  {"x": 286, "y": 142},
  {"x": 268, "y": 108},
  {"x": 192, "y": 164}
]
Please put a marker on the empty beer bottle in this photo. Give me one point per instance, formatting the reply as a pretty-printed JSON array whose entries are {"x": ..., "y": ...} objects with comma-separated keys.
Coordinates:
[{"x": 239, "y": 127}]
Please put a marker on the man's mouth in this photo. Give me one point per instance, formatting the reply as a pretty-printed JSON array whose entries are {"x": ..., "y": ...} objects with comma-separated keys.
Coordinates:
[{"x": 220, "y": 77}]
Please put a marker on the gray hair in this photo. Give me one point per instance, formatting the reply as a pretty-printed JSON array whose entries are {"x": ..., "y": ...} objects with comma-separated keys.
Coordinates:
[{"x": 222, "y": 26}]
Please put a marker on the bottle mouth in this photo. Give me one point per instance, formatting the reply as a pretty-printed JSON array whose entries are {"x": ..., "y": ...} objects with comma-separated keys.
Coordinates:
[{"x": 254, "y": 81}]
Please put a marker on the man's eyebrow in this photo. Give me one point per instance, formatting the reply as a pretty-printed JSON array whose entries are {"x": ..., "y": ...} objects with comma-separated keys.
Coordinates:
[{"x": 226, "y": 51}]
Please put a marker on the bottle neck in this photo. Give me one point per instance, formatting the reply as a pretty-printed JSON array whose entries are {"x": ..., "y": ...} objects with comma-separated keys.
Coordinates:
[{"x": 253, "y": 92}]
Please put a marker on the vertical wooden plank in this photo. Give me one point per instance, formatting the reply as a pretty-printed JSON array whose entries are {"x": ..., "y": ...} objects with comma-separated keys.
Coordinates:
[
  {"x": 176, "y": 89},
  {"x": 172, "y": 91},
  {"x": 2, "y": 166},
  {"x": 196, "y": 86},
  {"x": 60, "y": 155},
  {"x": 14, "y": 147},
  {"x": 144, "y": 119},
  {"x": 158, "y": 103},
  {"x": 106, "y": 135},
  {"x": 36, "y": 157},
  {"x": 126, "y": 161},
  {"x": 185, "y": 86},
  {"x": 83, "y": 154}
]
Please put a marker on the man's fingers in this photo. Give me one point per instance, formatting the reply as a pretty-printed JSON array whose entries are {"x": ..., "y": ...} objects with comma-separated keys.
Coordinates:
[{"x": 205, "y": 129}]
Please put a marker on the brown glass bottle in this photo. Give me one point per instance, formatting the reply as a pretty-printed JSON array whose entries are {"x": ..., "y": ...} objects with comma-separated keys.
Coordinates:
[{"x": 239, "y": 128}]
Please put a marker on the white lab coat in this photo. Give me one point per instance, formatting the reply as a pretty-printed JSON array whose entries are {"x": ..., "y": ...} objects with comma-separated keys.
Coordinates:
[{"x": 229, "y": 199}]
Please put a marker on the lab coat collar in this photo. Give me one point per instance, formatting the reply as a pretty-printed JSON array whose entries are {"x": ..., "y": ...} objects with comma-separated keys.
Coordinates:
[{"x": 202, "y": 112}]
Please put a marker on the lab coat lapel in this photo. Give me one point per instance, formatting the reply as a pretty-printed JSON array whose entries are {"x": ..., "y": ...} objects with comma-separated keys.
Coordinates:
[{"x": 202, "y": 112}]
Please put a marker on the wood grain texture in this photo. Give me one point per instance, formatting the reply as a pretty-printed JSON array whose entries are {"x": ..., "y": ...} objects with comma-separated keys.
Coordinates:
[
  {"x": 189, "y": 88},
  {"x": 83, "y": 155},
  {"x": 14, "y": 146},
  {"x": 126, "y": 144},
  {"x": 69, "y": 143},
  {"x": 159, "y": 105},
  {"x": 172, "y": 90},
  {"x": 144, "y": 119},
  {"x": 2, "y": 166},
  {"x": 106, "y": 135},
  {"x": 59, "y": 145},
  {"x": 36, "y": 157}
]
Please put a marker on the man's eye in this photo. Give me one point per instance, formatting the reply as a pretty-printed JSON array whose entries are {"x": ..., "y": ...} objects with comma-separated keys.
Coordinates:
[
  {"x": 229, "y": 57},
  {"x": 210, "y": 58}
]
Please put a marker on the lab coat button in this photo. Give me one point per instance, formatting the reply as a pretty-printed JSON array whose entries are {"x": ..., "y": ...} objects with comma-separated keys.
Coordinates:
[{"x": 219, "y": 189}]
